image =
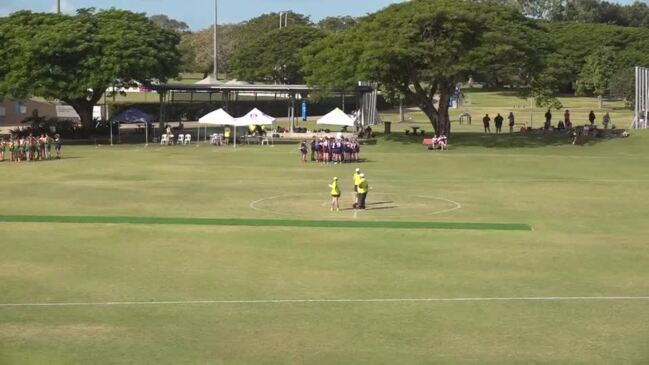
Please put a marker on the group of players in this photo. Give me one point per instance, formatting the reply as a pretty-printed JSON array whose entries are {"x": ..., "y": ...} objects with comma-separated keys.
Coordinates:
[
  {"x": 30, "y": 148},
  {"x": 361, "y": 188},
  {"x": 331, "y": 150}
]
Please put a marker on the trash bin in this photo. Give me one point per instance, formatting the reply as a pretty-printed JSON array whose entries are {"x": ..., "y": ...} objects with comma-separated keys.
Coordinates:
[{"x": 388, "y": 127}]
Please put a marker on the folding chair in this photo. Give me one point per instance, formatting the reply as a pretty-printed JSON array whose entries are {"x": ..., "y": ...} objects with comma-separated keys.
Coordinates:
[
  {"x": 188, "y": 138},
  {"x": 180, "y": 139}
]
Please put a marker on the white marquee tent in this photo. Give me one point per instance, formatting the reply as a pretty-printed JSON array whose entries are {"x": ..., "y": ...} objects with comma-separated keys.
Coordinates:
[
  {"x": 221, "y": 117},
  {"x": 254, "y": 117},
  {"x": 217, "y": 117},
  {"x": 337, "y": 117}
]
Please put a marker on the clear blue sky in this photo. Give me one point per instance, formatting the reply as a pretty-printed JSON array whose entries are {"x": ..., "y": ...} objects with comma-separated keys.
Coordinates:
[{"x": 199, "y": 13}]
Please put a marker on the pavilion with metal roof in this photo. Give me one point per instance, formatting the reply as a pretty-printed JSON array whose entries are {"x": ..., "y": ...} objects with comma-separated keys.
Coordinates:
[{"x": 227, "y": 94}]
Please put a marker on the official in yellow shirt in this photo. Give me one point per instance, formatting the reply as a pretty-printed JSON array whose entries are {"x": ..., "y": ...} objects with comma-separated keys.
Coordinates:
[
  {"x": 363, "y": 188},
  {"x": 356, "y": 177},
  {"x": 226, "y": 135},
  {"x": 335, "y": 194}
]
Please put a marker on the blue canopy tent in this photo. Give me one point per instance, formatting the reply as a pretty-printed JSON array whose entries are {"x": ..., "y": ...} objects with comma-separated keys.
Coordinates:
[{"x": 132, "y": 116}]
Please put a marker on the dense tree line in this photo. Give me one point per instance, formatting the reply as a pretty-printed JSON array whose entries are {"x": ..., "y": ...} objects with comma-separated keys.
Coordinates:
[
  {"x": 197, "y": 46},
  {"x": 585, "y": 56},
  {"x": 585, "y": 11},
  {"x": 415, "y": 51},
  {"x": 75, "y": 58}
]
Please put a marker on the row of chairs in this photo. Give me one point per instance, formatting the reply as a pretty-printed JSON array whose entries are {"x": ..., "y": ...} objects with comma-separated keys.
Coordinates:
[{"x": 168, "y": 139}]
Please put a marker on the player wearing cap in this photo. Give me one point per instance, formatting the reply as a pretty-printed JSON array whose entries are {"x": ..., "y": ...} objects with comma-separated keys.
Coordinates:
[
  {"x": 356, "y": 177},
  {"x": 335, "y": 194},
  {"x": 363, "y": 187}
]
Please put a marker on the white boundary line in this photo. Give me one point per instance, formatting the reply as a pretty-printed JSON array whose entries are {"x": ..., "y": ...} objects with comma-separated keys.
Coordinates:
[{"x": 327, "y": 301}]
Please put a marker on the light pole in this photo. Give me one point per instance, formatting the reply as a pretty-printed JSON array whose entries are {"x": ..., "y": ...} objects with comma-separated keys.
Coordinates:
[
  {"x": 283, "y": 19},
  {"x": 58, "y": 6},
  {"x": 216, "y": 69}
]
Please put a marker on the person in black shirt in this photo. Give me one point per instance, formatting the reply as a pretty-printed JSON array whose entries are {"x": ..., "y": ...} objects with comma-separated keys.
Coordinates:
[
  {"x": 486, "y": 121},
  {"x": 548, "y": 119},
  {"x": 591, "y": 117},
  {"x": 498, "y": 120}
]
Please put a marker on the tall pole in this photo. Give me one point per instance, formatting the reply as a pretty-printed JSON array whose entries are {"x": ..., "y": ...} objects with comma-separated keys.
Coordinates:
[
  {"x": 58, "y": 6},
  {"x": 636, "y": 120},
  {"x": 531, "y": 112},
  {"x": 283, "y": 19},
  {"x": 110, "y": 124},
  {"x": 216, "y": 13}
]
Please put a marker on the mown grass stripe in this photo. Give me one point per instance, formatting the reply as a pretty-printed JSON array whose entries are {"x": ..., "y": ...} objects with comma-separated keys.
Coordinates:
[{"x": 248, "y": 222}]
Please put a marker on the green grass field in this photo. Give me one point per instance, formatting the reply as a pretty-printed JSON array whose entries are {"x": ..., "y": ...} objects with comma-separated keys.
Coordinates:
[
  {"x": 171, "y": 290},
  {"x": 503, "y": 250}
]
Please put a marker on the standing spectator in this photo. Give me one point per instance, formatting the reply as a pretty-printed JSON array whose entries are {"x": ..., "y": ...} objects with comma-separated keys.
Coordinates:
[
  {"x": 335, "y": 194},
  {"x": 591, "y": 117},
  {"x": 606, "y": 120},
  {"x": 566, "y": 119},
  {"x": 485, "y": 122},
  {"x": 498, "y": 120},
  {"x": 548, "y": 119},
  {"x": 363, "y": 187},
  {"x": 511, "y": 122}
]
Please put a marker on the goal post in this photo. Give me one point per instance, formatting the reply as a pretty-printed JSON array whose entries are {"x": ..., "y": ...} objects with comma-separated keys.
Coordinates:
[{"x": 641, "y": 105}]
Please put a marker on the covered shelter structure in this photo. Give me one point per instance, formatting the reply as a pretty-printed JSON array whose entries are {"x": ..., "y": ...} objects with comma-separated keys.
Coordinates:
[
  {"x": 131, "y": 116},
  {"x": 238, "y": 97}
]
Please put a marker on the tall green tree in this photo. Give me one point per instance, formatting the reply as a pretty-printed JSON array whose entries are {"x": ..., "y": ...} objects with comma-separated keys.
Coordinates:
[
  {"x": 423, "y": 48},
  {"x": 274, "y": 57},
  {"x": 596, "y": 74},
  {"x": 337, "y": 23},
  {"x": 163, "y": 21},
  {"x": 76, "y": 58},
  {"x": 575, "y": 43},
  {"x": 197, "y": 46}
]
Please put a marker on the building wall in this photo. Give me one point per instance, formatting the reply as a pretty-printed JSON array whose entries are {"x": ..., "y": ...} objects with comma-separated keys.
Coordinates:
[{"x": 13, "y": 112}]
